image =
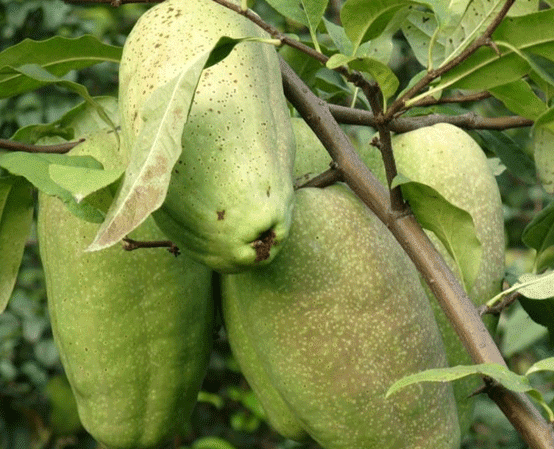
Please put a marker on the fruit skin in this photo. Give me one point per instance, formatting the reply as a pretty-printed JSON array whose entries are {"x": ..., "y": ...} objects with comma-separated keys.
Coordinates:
[
  {"x": 232, "y": 186},
  {"x": 312, "y": 158},
  {"x": 133, "y": 328},
  {"x": 449, "y": 160},
  {"x": 278, "y": 413},
  {"x": 338, "y": 317}
]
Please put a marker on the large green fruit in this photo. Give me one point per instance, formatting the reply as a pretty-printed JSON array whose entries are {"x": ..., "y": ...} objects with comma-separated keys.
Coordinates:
[
  {"x": 133, "y": 328},
  {"x": 230, "y": 198},
  {"x": 337, "y": 318},
  {"x": 449, "y": 160}
]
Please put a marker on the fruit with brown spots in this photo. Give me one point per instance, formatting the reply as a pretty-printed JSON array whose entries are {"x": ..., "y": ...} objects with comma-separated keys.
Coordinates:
[
  {"x": 133, "y": 328},
  {"x": 232, "y": 185},
  {"x": 333, "y": 321}
]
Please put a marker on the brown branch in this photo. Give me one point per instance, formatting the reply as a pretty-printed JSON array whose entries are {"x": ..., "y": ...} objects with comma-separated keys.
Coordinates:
[
  {"x": 61, "y": 148},
  {"x": 452, "y": 298},
  {"x": 131, "y": 245},
  {"x": 483, "y": 40},
  {"x": 324, "y": 179},
  {"x": 498, "y": 308},
  {"x": 372, "y": 92},
  {"x": 430, "y": 101},
  {"x": 470, "y": 120}
]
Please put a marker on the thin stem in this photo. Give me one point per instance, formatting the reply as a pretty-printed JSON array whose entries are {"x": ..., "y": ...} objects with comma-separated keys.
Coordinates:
[
  {"x": 61, "y": 148},
  {"x": 470, "y": 120},
  {"x": 430, "y": 101},
  {"x": 327, "y": 178},
  {"x": 131, "y": 245}
]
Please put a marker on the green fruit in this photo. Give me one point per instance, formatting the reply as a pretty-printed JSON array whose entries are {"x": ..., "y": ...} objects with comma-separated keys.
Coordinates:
[
  {"x": 133, "y": 328},
  {"x": 64, "y": 418},
  {"x": 449, "y": 160},
  {"x": 337, "y": 318},
  {"x": 230, "y": 198},
  {"x": 312, "y": 158},
  {"x": 278, "y": 413}
]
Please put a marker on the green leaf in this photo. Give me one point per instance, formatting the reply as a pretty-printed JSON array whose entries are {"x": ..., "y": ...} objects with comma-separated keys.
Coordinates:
[
  {"x": 364, "y": 20},
  {"x": 476, "y": 17},
  {"x": 541, "y": 312},
  {"x": 58, "y": 55},
  {"x": 419, "y": 28},
  {"x": 291, "y": 10},
  {"x": 539, "y": 233},
  {"x": 339, "y": 37},
  {"x": 519, "y": 98},
  {"x": 451, "y": 29},
  {"x": 383, "y": 75},
  {"x": 37, "y": 73},
  {"x": 485, "y": 69},
  {"x": 226, "y": 44},
  {"x": 306, "y": 12},
  {"x": 16, "y": 217},
  {"x": 519, "y": 331},
  {"x": 78, "y": 121},
  {"x": 510, "y": 380},
  {"x": 35, "y": 168},
  {"x": 510, "y": 153},
  {"x": 541, "y": 66},
  {"x": 155, "y": 151},
  {"x": 532, "y": 286},
  {"x": 82, "y": 181},
  {"x": 536, "y": 286},
  {"x": 453, "y": 226},
  {"x": 541, "y": 365}
]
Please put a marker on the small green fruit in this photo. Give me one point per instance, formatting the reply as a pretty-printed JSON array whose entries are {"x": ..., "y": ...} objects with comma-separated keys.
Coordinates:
[
  {"x": 133, "y": 328},
  {"x": 230, "y": 198},
  {"x": 337, "y": 318}
]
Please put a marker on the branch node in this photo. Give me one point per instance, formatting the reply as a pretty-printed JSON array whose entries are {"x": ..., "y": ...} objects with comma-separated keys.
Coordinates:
[
  {"x": 490, "y": 43},
  {"x": 375, "y": 142}
]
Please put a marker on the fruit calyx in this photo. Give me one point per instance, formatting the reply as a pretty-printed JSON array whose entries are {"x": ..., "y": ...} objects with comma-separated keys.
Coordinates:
[{"x": 263, "y": 244}]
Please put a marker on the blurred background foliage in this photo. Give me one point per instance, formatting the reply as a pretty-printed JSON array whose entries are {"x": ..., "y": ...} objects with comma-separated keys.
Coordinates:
[{"x": 37, "y": 410}]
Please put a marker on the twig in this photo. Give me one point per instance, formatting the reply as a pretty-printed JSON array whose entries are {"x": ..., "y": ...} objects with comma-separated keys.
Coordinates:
[
  {"x": 324, "y": 179},
  {"x": 430, "y": 101},
  {"x": 498, "y": 308},
  {"x": 61, "y": 148},
  {"x": 483, "y": 40},
  {"x": 131, "y": 245},
  {"x": 470, "y": 120},
  {"x": 442, "y": 282}
]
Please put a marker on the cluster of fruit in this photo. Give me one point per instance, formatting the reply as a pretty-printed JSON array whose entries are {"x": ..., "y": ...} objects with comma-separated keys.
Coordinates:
[{"x": 322, "y": 307}]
